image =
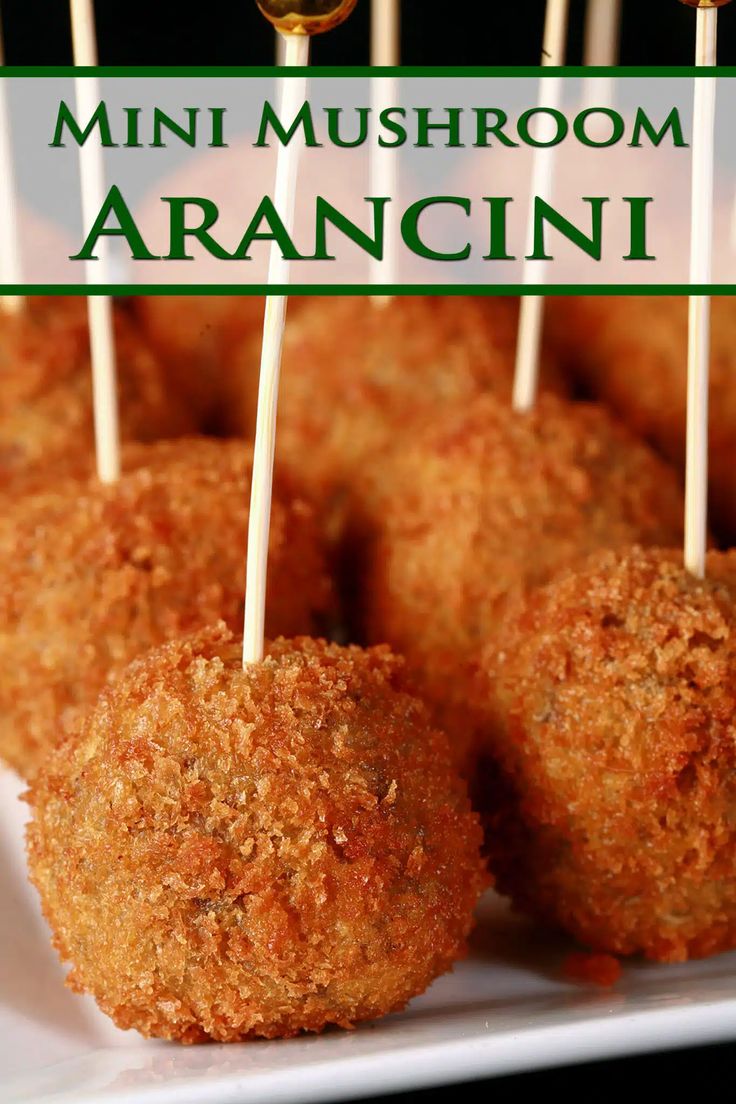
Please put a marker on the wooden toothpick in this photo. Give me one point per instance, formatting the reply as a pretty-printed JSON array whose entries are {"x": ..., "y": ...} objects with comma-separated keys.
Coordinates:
[
  {"x": 701, "y": 253},
  {"x": 11, "y": 269},
  {"x": 293, "y": 94},
  {"x": 296, "y": 25},
  {"x": 601, "y": 48},
  {"x": 99, "y": 308},
  {"x": 602, "y": 29},
  {"x": 531, "y": 313},
  {"x": 385, "y": 32},
  {"x": 385, "y": 53}
]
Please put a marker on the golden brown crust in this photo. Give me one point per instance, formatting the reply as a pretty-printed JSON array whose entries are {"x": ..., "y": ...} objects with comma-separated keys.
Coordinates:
[
  {"x": 355, "y": 377},
  {"x": 485, "y": 504},
  {"x": 94, "y": 575},
  {"x": 225, "y": 853},
  {"x": 632, "y": 353},
  {"x": 192, "y": 335},
  {"x": 46, "y": 422},
  {"x": 610, "y": 706}
]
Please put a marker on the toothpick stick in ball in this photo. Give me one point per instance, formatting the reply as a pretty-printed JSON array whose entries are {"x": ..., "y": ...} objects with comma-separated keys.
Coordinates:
[
  {"x": 297, "y": 20},
  {"x": 602, "y": 29},
  {"x": 10, "y": 253},
  {"x": 385, "y": 32},
  {"x": 701, "y": 252},
  {"x": 531, "y": 314},
  {"x": 99, "y": 308},
  {"x": 601, "y": 48},
  {"x": 385, "y": 53}
]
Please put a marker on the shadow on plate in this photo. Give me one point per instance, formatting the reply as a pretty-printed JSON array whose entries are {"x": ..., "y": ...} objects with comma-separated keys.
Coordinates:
[{"x": 31, "y": 977}]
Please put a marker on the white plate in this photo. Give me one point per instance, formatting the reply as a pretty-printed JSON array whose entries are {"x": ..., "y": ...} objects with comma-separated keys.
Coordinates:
[{"x": 502, "y": 1011}]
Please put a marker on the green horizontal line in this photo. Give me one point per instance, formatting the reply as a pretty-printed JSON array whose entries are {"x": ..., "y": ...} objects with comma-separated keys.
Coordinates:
[
  {"x": 367, "y": 71},
  {"x": 368, "y": 289}
]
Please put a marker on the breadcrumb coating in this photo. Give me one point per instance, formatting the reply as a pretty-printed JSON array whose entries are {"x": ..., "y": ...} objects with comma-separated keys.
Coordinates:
[
  {"x": 632, "y": 353},
  {"x": 610, "y": 704},
  {"x": 192, "y": 335},
  {"x": 225, "y": 853},
  {"x": 94, "y": 575},
  {"x": 46, "y": 419},
  {"x": 355, "y": 375},
  {"x": 483, "y": 505}
]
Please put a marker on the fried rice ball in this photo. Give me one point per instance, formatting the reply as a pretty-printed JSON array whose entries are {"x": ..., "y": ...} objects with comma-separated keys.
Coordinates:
[
  {"x": 225, "y": 853},
  {"x": 193, "y": 336},
  {"x": 632, "y": 353},
  {"x": 484, "y": 504},
  {"x": 46, "y": 419},
  {"x": 354, "y": 373},
  {"x": 94, "y": 575},
  {"x": 611, "y": 705}
]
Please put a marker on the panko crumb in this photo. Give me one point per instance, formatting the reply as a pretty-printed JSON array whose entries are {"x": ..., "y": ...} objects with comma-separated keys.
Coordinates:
[
  {"x": 376, "y": 373},
  {"x": 610, "y": 721},
  {"x": 46, "y": 410},
  {"x": 203, "y": 880},
  {"x": 627, "y": 351},
  {"x": 95, "y": 575},
  {"x": 441, "y": 549}
]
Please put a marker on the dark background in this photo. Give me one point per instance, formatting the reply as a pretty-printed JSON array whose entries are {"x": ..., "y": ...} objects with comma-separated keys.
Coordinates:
[{"x": 232, "y": 32}]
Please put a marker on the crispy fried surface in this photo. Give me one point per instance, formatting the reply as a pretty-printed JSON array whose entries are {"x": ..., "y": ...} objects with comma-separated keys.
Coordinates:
[
  {"x": 632, "y": 352},
  {"x": 225, "y": 853},
  {"x": 610, "y": 706},
  {"x": 192, "y": 335},
  {"x": 483, "y": 505},
  {"x": 354, "y": 375},
  {"x": 95, "y": 575},
  {"x": 46, "y": 424}
]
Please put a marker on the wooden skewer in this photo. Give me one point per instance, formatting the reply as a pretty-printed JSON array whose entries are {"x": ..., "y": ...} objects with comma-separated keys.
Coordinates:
[
  {"x": 385, "y": 53},
  {"x": 601, "y": 47},
  {"x": 296, "y": 24},
  {"x": 602, "y": 29},
  {"x": 11, "y": 268},
  {"x": 385, "y": 32},
  {"x": 531, "y": 314},
  {"x": 293, "y": 94},
  {"x": 701, "y": 252},
  {"x": 99, "y": 308}
]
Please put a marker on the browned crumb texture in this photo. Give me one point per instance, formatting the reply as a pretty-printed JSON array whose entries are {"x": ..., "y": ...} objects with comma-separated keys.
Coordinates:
[
  {"x": 632, "y": 352},
  {"x": 355, "y": 377},
  {"x": 193, "y": 335},
  {"x": 225, "y": 853},
  {"x": 485, "y": 504},
  {"x": 610, "y": 714},
  {"x": 46, "y": 423},
  {"x": 95, "y": 575}
]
